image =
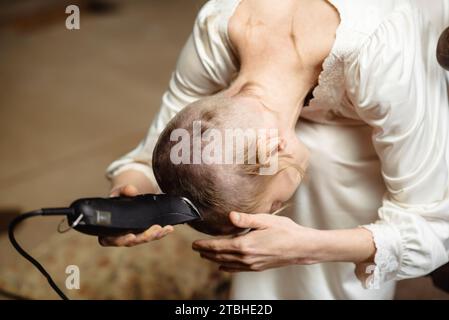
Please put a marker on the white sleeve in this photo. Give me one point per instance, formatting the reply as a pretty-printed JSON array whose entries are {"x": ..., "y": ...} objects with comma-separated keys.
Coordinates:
[
  {"x": 206, "y": 65},
  {"x": 397, "y": 87}
]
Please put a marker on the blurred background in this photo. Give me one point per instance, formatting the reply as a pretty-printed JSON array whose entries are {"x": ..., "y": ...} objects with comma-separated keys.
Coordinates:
[{"x": 72, "y": 101}]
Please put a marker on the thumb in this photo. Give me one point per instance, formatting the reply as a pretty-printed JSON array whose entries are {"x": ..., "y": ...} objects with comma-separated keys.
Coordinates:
[
  {"x": 124, "y": 190},
  {"x": 253, "y": 221},
  {"x": 129, "y": 190}
]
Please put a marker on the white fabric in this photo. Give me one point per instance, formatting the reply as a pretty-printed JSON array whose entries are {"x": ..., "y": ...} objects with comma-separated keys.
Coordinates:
[{"x": 380, "y": 114}]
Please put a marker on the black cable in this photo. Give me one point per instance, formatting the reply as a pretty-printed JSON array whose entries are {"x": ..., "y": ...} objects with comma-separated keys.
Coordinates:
[{"x": 19, "y": 219}]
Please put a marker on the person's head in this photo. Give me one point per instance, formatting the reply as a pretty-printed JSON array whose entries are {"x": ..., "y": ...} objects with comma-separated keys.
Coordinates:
[{"x": 228, "y": 154}]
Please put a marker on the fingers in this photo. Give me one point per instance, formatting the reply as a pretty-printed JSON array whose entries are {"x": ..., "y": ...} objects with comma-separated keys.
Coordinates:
[
  {"x": 162, "y": 233},
  {"x": 232, "y": 261},
  {"x": 253, "y": 221},
  {"x": 120, "y": 241},
  {"x": 155, "y": 232},
  {"x": 217, "y": 245},
  {"x": 233, "y": 267},
  {"x": 115, "y": 192},
  {"x": 228, "y": 262},
  {"x": 129, "y": 190},
  {"x": 232, "y": 270},
  {"x": 124, "y": 190},
  {"x": 150, "y": 234},
  {"x": 222, "y": 257}
]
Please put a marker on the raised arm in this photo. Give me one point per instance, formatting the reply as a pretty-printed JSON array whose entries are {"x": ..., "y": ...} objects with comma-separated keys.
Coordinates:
[{"x": 205, "y": 65}]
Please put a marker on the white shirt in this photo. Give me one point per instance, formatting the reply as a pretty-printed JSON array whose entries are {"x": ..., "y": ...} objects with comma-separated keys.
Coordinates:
[{"x": 378, "y": 133}]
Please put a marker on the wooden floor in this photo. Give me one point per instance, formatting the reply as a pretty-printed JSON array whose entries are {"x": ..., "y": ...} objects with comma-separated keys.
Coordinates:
[{"x": 72, "y": 101}]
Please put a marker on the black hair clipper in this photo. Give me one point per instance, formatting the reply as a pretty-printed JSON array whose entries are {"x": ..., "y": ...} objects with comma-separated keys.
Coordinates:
[
  {"x": 111, "y": 217},
  {"x": 121, "y": 215}
]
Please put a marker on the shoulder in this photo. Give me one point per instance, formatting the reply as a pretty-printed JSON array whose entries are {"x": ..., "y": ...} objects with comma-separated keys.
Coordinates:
[
  {"x": 394, "y": 35},
  {"x": 393, "y": 80},
  {"x": 364, "y": 20},
  {"x": 213, "y": 17},
  {"x": 211, "y": 41},
  {"x": 392, "y": 58}
]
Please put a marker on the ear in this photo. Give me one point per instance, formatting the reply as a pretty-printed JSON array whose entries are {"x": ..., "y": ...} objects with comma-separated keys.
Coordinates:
[
  {"x": 282, "y": 144},
  {"x": 269, "y": 145}
]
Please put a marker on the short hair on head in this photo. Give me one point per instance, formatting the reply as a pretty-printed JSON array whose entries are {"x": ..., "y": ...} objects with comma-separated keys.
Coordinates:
[
  {"x": 215, "y": 189},
  {"x": 203, "y": 184}
]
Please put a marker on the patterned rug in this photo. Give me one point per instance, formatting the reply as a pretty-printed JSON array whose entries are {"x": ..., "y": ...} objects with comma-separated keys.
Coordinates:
[{"x": 166, "y": 269}]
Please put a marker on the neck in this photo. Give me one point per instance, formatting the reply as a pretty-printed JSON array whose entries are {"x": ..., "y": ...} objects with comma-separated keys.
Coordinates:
[
  {"x": 281, "y": 58},
  {"x": 281, "y": 88}
]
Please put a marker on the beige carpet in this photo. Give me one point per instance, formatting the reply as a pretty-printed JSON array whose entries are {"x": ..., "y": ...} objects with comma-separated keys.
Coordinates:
[{"x": 166, "y": 269}]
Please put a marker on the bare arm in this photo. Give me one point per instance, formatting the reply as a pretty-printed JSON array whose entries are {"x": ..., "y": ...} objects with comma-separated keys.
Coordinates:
[{"x": 277, "y": 241}]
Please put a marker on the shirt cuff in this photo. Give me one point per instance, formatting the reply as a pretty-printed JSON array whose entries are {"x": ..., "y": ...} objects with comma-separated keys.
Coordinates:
[
  {"x": 387, "y": 258},
  {"x": 145, "y": 169}
]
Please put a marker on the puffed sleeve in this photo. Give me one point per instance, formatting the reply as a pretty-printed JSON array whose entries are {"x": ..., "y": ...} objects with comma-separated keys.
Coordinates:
[
  {"x": 205, "y": 65},
  {"x": 397, "y": 87}
]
